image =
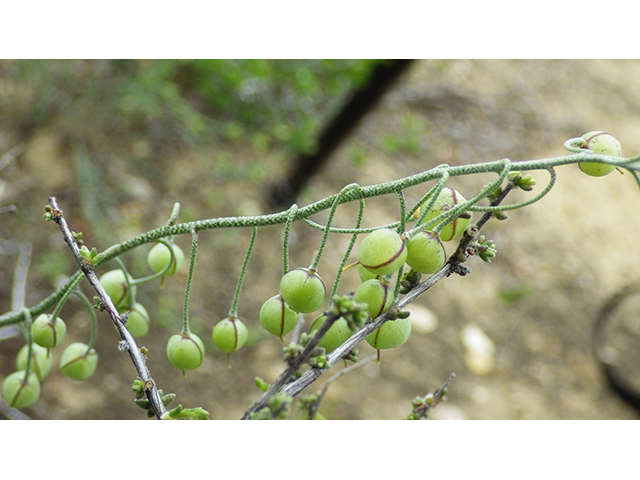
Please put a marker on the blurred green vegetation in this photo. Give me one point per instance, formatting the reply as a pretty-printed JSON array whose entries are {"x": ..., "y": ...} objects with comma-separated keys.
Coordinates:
[{"x": 269, "y": 103}]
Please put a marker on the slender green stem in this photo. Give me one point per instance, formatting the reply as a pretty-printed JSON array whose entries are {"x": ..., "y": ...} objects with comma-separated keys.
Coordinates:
[
  {"x": 337, "y": 201},
  {"x": 345, "y": 257},
  {"x": 64, "y": 298},
  {"x": 173, "y": 219},
  {"x": 233, "y": 311},
  {"x": 403, "y": 211},
  {"x": 26, "y": 332},
  {"x": 187, "y": 288},
  {"x": 94, "y": 321},
  {"x": 287, "y": 233}
]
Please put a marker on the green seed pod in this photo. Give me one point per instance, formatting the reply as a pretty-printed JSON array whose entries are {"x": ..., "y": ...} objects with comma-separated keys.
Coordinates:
[
  {"x": 138, "y": 322},
  {"x": 382, "y": 252},
  {"x": 366, "y": 274},
  {"x": 115, "y": 284},
  {"x": 425, "y": 252},
  {"x": 337, "y": 334},
  {"x": 47, "y": 334},
  {"x": 159, "y": 256},
  {"x": 20, "y": 394},
  {"x": 447, "y": 199},
  {"x": 277, "y": 317},
  {"x": 392, "y": 334},
  {"x": 303, "y": 290},
  {"x": 185, "y": 351},
  {"x": 605, "y": 144},
  {"x": 41, "y": 361},
  {"x": 230, "y": 334},
  {"x": 376, "y": 294},
  {"x": 76, "y": 363}
]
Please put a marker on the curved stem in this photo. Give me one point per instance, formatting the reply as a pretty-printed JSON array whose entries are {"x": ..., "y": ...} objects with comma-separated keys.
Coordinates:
[
  {"x": 94, "y": 321},
  {"x": 287, "y": 233},
  {"x": 233, "y": 312},
  {"x": 345, "y": 257},
  {"x": 187, "y": 288},
  {"x": 337, "y": 201}
]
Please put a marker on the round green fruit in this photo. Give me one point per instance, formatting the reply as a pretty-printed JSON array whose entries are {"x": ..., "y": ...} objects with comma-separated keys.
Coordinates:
[
  {"x": 138, "y": 322},
  {"x": 160, "y": 256},
  {"x": 41, "y": 361},
  {"x": 303, "y": 290},
  {"x": 46, "y": 333},
  {"x": 18, "y": 393},
  {"x": 337, "y": 334},
  {"x": 230, "y": 334},
  {"x": 376, "y": 294},
  {"x": 277, "y": 317},
  {"x": 382, "y": 252},
  {"x": 425, "y": 252},
  {"x": 366, "y": 274},
  {"x": 78, "y": 362},
  {"x": 115, "y": 284},
  {"x": 447, "y": 199},
  {"x": 185, "y": 351},
  {"x": 391, "y": 334},
  {"x": 605, "y": 144}
]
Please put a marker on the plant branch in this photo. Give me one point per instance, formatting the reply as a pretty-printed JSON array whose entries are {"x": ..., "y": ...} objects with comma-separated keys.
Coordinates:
[{"x": 128, "y": 341}]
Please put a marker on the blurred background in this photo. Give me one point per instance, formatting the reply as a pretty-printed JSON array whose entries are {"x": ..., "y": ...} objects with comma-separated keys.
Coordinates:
[{"x": 119, "y": 141}]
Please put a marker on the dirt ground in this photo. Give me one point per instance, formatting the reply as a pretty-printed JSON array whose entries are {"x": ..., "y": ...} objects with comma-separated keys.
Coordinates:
[{"x": 517, "y": 333}]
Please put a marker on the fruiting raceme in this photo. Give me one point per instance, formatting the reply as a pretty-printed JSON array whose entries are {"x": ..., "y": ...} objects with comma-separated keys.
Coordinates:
[
  {"x": 382, "y": 252},
  {"x": 605, "y": 144}
]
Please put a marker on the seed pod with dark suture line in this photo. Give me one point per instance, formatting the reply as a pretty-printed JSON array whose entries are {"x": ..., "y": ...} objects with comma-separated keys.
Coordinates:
[
  {"x": 41, "y": 361},
  {"x": 78, "y": 362},
  {"x": 447, "y": 199},
  {"x": 277, "y": 317},
  {"x": 46, "y": 333},
  {"x": 230, "y": 334},
  {"x": 185, "y": 351},
  {"x": 382, "y": 252},
  {"x": 115, "y": 284},
  {"x": 603, "y": 143},
  {"x": 303, "y": 290},
  {"x": 392, "y": 334},
  {"x": 425, "y": 252},
  {"x": 18, "y": 393},
  {"x": 337, "y": 334},
  {"x": 376, "y": 294}
]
